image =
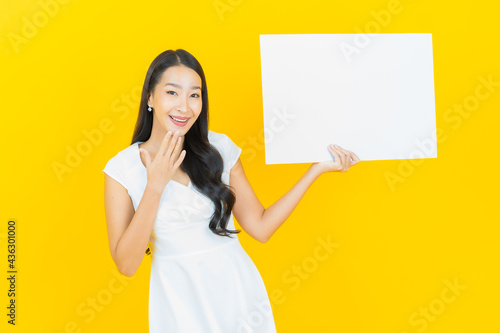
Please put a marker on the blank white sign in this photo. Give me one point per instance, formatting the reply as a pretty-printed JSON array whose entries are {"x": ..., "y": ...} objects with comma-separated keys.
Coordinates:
[{"x": 371, "y": 94}]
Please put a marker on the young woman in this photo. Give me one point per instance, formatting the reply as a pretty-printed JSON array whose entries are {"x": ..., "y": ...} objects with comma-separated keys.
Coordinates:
[{"x": 175, "y": 188}]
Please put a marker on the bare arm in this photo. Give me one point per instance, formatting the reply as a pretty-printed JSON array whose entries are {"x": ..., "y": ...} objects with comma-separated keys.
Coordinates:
[
  {"x": 261, "y": 223},
  {"x": 128, "y": 232},
  {"x": 278, "y": 213},
  {"x": 258, "y": 222}
]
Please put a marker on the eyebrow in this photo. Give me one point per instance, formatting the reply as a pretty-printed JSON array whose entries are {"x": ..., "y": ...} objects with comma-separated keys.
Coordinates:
[{"x": 178, "y": 86}]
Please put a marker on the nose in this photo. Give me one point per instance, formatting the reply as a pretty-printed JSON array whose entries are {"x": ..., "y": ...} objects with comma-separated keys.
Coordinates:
[{"x": 182, "y": 106}]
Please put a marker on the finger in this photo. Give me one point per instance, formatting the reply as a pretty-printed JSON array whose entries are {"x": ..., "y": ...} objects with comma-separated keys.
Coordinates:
[
  {"x": 343, "y": 157},
  {"x": 164, "y": 143},
  {"x": 342, "y": 150},
  {"x": 353, "y": 162},
  {"x": 350, "y": 155},
  {"x": 335, "y": 154},
  {"x": 146, "y": 156},
  {"x": 180, "y": 159},
  {"x": 178, "y": 147},
  {"x": 355, "y": 158},
  {"x": 173, "y": 142}
]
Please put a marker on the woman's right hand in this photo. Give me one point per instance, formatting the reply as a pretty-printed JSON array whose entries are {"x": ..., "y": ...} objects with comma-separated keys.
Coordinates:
[{"x": 167, "y": 160}]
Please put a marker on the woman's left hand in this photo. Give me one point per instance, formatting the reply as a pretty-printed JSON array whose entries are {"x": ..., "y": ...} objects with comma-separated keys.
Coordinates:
[{"x": 342, "y": 160}]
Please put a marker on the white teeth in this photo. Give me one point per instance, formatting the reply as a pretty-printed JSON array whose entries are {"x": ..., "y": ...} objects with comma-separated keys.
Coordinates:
[{"x": 181, "y": 121}]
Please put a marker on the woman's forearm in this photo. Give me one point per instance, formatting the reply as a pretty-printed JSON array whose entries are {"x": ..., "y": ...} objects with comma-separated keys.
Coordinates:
[
  {"x": 276, "y": 214},
  {"x": 134, "y": 241}
]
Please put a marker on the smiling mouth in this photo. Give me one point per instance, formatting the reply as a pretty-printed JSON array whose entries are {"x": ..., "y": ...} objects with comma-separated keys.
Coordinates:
[{"x": 179, "y": 120}]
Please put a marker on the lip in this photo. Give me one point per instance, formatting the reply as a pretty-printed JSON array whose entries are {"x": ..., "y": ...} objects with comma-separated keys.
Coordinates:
[{"x": 178, "y": 123}]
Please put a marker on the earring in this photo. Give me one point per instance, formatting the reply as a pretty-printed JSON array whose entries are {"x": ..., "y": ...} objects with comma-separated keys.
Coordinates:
[{"x": 149, "y": 108}]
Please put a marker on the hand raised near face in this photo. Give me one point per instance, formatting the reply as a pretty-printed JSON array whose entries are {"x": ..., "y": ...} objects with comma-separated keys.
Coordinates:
[{"x": 167, "y": 160}]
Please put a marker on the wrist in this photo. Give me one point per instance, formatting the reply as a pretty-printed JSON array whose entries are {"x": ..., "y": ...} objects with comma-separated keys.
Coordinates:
[
  {"x": 316, "y": 170},
  {"x": 155, "y": 190}
]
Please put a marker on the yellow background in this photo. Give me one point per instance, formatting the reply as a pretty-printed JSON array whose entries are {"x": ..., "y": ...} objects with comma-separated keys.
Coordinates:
[{"x": 398, "y": 245}]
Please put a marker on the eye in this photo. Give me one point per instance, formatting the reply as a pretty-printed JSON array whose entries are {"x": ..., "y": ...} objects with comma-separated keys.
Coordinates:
[
  {"x": 171, "y": 92},
  {"x": 195, "y": 95}
]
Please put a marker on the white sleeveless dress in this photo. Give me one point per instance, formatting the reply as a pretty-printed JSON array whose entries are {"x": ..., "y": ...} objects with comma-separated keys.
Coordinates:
[{"x": 200, "y": 282}]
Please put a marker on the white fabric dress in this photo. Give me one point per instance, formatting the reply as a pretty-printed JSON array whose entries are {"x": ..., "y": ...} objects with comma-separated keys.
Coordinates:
[{"x": 200, "y": 282}]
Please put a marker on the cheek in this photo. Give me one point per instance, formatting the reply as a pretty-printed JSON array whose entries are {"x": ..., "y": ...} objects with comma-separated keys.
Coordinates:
[
  {"x": 196, "y": 105},
  {"x": 166, "y": 101}
]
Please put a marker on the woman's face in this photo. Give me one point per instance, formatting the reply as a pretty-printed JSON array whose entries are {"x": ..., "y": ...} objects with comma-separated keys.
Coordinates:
[{"x": 177, "y": 95}]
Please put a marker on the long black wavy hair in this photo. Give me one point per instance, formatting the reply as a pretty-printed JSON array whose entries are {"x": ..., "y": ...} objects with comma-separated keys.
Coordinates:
[{"x": 203, "y": 162}]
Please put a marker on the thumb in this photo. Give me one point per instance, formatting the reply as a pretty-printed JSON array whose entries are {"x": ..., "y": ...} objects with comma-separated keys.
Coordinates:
[{"x": 146, "y": 154}]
